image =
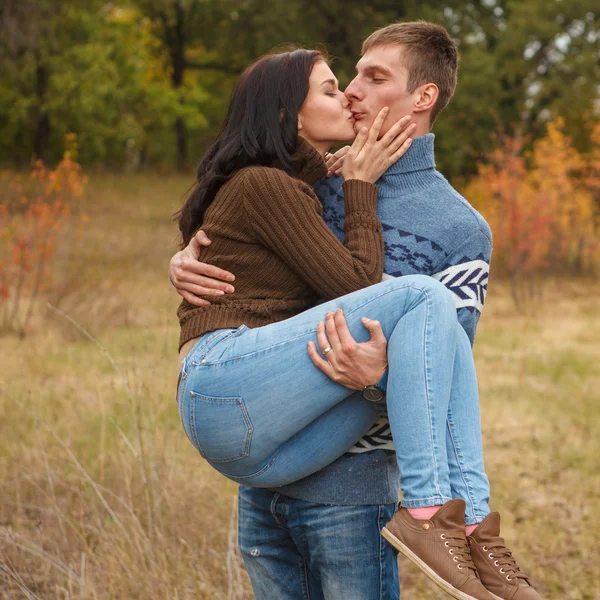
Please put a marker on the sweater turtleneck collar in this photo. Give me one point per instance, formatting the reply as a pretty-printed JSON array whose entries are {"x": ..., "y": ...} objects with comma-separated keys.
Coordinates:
[
  {"x": 419, "y": 157},
  {"x": 312, "y": 165}
]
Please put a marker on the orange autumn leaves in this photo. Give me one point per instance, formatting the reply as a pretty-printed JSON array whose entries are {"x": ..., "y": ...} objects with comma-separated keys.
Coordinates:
[
  {"x": 39, "y": 220},
  {"x": 542, "y": 205}
]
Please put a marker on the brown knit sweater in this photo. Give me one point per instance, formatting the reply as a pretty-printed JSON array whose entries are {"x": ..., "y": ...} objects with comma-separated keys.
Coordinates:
[{"x": 267, "y": 228}]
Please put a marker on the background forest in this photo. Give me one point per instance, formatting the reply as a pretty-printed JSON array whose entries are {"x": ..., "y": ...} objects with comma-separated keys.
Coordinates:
[
  {"x": 146, "y": 82},
  {"x": 105, "y": 110}
]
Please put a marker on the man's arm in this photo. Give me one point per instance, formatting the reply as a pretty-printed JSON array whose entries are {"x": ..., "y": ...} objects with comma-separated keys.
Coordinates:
[
  {"x": 465, "y": 272},
  {"x": 192, "y": 278}
]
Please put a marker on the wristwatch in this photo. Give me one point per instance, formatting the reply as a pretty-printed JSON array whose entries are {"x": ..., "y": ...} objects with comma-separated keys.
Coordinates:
[{"x": 373, "y": 393}]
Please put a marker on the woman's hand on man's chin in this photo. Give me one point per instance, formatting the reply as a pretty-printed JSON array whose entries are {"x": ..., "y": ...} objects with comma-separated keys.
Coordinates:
[{"x": 348, "y": 362}]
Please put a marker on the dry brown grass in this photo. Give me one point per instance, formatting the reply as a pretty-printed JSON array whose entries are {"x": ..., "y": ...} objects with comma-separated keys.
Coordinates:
[{"x": 101, "y": 496}]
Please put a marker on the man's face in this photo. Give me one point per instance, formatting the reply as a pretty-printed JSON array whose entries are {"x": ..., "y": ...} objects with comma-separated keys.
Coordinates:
[{"x": 380, "y": 81}]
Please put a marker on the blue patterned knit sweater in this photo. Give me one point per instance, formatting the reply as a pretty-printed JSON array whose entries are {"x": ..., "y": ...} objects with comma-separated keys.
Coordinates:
[{"x": 428, "y": 228}]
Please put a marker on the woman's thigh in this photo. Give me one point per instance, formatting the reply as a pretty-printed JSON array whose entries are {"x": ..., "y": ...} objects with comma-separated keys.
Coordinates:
[
  {"x": 261, "y": 382},
  {"x": 317, "y": 445}
]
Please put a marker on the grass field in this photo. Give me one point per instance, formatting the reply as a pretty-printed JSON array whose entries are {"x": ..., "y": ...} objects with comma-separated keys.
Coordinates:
[{"x": 101, "y": 495}]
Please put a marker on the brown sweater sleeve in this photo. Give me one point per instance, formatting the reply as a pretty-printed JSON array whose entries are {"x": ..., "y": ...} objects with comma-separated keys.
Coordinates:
[{"x": 286, "y": 217}]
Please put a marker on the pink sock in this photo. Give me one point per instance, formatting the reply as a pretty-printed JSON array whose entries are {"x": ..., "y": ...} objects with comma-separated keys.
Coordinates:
[
  {"x": 423, "y": 513},
  {"x": 469, "y": 529}
]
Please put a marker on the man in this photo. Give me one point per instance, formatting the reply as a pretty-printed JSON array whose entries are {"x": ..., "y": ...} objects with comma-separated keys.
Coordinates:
[{"x": 319, "y": 538}]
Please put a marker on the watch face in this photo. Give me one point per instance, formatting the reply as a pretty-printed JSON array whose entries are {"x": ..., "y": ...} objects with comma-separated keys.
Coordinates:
[{"x": 373, "y": 394}]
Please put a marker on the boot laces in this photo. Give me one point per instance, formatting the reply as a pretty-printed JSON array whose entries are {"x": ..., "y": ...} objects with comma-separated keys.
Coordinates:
[
  {"x": 504, "y": 559},
  {"x": 461, "y": 552}
]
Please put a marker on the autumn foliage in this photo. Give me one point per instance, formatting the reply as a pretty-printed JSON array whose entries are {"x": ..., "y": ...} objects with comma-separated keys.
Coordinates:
[
  {"x": 542, "y": 207},
  {"x": 40, "y": 219}
]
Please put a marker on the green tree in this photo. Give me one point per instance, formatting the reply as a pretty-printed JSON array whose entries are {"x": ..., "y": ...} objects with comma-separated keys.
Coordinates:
[
  {"x": 522, "y": 64},
  {"x": 85, "y": 69}
]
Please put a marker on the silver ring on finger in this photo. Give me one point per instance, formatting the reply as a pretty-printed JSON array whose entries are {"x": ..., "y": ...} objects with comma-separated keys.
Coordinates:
[{"x": 328, "y": 349}]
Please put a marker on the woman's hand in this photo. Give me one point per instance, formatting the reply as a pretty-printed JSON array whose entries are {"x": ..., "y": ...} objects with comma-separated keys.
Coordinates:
[
  {"x": 349, "y": 363},
  {"x": 369, "y": 158},
  {"x": 335, "y": 161}
]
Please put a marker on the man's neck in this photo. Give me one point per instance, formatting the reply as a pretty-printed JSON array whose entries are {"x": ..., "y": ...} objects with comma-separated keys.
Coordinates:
[{"x": 419, "y": 157}]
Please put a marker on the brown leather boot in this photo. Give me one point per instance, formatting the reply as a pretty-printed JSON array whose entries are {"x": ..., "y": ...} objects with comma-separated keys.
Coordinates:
[
  {"x": 497, "y": 567},
  {"x": 439, "y": 547}
]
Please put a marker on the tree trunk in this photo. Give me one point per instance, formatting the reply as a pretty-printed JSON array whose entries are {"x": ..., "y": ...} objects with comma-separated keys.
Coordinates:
[
  {"x": 42, "y": 129},
  {"x": 178, "y": 63},
  {"x": 182, "y": 149}
]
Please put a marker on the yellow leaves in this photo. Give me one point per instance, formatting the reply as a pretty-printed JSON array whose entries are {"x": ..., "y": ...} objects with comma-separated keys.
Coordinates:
[{"x": 540, "y": 205}]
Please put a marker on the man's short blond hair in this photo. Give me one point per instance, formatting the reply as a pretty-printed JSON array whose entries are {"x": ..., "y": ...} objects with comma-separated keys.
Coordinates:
[{"x": 430, "y": 56}]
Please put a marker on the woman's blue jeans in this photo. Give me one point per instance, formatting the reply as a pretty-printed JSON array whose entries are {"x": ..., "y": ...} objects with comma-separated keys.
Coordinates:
[{"x": 258, "y": 410}]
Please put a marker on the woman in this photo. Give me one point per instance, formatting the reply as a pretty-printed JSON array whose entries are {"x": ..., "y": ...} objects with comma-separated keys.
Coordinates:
[{"x": 250, "y": 399}]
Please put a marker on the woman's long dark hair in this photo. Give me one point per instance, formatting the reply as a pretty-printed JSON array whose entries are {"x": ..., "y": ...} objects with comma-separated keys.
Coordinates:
[{"x": 261, "y": 125}]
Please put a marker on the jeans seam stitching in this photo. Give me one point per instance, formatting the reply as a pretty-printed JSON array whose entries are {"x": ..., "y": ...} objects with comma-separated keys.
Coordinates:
[
  {"x": 272, "y": 508},
  {"x": 202, "y": 346},
  {"x": 460, "y": 466},
  {"x": 244, "y": 412},
  {"x": 427, "y": 304},
  {"x": 193, "y": 423},
  {"x": 380, "y": 553},
  {"x": 305, "y": 579},
  {"x": 259, "y": 472},
  {"x": 428, "y": 393},
  {"x": 234, "y": 333},
  {"x": 408, "y": 503},
  {"x": 249, "y": 354}
]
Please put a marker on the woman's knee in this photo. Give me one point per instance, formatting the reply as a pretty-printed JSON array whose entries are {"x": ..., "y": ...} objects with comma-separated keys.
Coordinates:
[{"x": 428, "y": 286}]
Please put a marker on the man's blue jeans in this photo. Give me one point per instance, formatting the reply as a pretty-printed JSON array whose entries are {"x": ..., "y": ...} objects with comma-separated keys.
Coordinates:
[
  {"x": 297, "y": 550},
  {"x": 258, "y": 410}
]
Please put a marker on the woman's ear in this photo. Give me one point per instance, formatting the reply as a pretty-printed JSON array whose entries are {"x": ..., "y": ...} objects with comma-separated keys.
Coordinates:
[
  {"x": 428, "y": 96},
  {"x": 299, "y": 122}
]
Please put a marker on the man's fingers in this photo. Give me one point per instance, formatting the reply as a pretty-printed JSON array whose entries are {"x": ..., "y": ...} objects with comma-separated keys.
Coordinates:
[
  {"x": 375, "y": 330},
  {"x": 322, "y": 338},
  {"x": 341, "y": 326},
  {"x": 195, "y": 266},
  {"x": 377, "y": 124},
  {"x": 192, "y": 299},
  {"x": 332, "y": 334},
  {"x": 321, "y": 364},
  {"x": 186, "y": 280},
  {"x": 202, "y": 291}
]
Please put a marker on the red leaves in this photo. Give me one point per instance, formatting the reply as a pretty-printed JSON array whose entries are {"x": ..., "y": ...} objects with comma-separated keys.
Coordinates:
[{"x": 38, "y": 217}]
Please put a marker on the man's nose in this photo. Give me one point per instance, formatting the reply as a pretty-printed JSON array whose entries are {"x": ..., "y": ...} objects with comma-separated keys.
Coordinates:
[{"x": 352, "y": 91}]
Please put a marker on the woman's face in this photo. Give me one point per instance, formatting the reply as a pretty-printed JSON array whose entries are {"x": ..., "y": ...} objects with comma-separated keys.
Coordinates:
[{"x": 325, "y": 118}]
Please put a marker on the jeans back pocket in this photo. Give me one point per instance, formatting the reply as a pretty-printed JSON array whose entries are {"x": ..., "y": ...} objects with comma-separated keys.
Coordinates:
[{"x": 219, "y": 428}]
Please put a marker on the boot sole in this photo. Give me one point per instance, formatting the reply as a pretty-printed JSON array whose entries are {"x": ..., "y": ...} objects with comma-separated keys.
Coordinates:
[{"x": 439, "y": 581}]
